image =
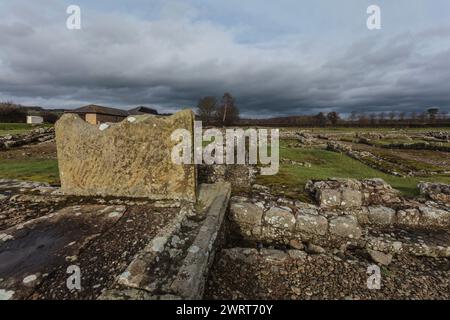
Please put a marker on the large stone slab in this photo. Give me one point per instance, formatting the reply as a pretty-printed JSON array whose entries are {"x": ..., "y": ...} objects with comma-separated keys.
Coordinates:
[
  {"x": 30, "y": 251},
  {"x": 127, "y": 159}
]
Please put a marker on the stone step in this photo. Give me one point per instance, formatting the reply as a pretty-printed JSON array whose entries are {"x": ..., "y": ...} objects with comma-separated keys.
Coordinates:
[{"x": 429, "y": 243}]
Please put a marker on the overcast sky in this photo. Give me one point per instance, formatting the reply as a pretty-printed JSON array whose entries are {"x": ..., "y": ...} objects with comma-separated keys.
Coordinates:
[{"x": 276, "y": 57}]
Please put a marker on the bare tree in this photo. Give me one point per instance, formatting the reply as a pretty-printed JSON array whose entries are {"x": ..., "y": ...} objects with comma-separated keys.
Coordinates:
[
  {"x": 392, "y": 115},
  {"x": 413, "y": 117},
  {"x": 321, "y": 119},
  {"x": 333, "y": 117},
  {"x": 373, "y": 119},
  {"x": 363, "y": 119},
  {"x": 432, "y": 112},
  {"x": 206, "y": 108},
  {"x": 227, "y": 113}
]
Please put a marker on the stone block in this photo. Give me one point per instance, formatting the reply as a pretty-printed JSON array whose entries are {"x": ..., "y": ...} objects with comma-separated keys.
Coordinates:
[{"x": 131, "y": 158}]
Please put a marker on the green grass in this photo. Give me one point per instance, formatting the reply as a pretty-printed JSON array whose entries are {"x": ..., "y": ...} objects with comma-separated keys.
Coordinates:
[
  {"x": 17, "y": 128},
  {"x": 291, "y": 179},
  {"x": 368, "y": 129},
  {"x": 42, "y": 170}
]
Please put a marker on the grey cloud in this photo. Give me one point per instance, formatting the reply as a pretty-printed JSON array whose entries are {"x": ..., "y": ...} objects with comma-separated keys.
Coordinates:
[{"x": 119, "y": 60}]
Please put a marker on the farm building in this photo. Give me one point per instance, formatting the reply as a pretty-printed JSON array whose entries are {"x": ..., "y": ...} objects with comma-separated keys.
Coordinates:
[
  {"x": 95, "y": 114},
  {"x": 142, "y": 110},
  {"x": 34, "y": 120}
]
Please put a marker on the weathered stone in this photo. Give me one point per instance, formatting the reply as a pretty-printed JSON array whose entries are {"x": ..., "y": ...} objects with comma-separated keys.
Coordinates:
[
  {"x": 434, "y": 216},
  {"x": 351, "y": 198},
  {"x": 273, "y": 255},
  {"x": 296, "y": 244},
  {"x": 313, "y": 224},
  {"x": 192, "y": 275},
  {"x": 329, "y": 198},
  {"x": 246, "y": 213},
  {"x": 297, "y": 254},
  {"x": 377, "y": 192},
  {"x": 362, "y": 214},
  {"x": 409, "y": 217},
  {"x": 278, "y": 225},
  {"x": 381, "y": 215},
  {"x": 280, "y": 219},
  {"x": 345, "y": 226},
  {"x": 247, "y": 217},
  {"x": 380, "y": 257},
  {"x": 314, "y": 249},
  {"x": 435, "y": 191},
  {"x": 6, "y": 294},
  {"x": 130, "y": 159}
]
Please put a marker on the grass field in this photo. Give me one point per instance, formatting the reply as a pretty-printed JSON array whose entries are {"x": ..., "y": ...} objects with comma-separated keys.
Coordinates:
[
  {"x": 41, "y": 165},
  {"x": 17, "y": 128},
  {"x": 43, "y": 170},
  {"x": 34, "y": 163},
  {"x": 291, "y": 179},
  {"x": 369, "y": 129}
]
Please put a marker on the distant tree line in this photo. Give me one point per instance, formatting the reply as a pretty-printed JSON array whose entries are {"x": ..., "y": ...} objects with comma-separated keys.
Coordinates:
[
  {"x": 11, "y": 112},
  {"x": 430, "y": 117},
  {"x": 226, "y": 113}
]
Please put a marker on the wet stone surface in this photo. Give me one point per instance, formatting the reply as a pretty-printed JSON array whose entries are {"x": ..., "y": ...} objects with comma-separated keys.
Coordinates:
[{"x": 41, "y": 235}]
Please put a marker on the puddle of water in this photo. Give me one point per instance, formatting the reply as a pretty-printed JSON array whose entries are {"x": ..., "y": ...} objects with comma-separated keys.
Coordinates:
[{"x": 38, "y": 250}]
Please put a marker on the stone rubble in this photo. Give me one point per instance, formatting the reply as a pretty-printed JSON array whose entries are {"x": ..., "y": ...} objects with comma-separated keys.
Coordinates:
[
  {"x": 33, "y": 136},
  {"x": 435, "y": 191}
]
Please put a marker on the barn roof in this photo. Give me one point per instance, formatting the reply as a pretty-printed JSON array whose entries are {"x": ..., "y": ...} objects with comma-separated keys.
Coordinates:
[
  {"x": 142, "y": 110},
  {"x": 92, "y": 108}
]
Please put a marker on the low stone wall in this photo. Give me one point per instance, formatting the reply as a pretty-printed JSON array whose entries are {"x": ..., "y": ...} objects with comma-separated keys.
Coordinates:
[
  {"x": 241, "y": 177},
  {"x": 298, "y": 226},
  {"x": 350, "y": 193},
  {"x": 356, "y": 210},
  {"x": 127, "y": 159},
  {"x": 435, "y": 191},
  {"x": 417, "y": 146},
  {"x": 440, "y": 135},
  {"x": 34, "y": 136}
]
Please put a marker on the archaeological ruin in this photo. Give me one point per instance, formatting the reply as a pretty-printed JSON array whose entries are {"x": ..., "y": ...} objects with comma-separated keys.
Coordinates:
[{"x": 138, "y": 226}]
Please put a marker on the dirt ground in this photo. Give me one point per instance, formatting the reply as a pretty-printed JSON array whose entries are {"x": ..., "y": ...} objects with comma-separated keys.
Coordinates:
[
  {"x": 49, "y": 233},
  {"x": 251, "y": 275},
  {"x": 44, "y": 150},
  {"x": 106, "y": 256}
]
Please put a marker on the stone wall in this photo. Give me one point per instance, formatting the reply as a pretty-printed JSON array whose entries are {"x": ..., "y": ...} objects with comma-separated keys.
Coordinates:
[
  {"x": 351, "y": 193},
  {"x": 127, "y": 159},
  {"x": 435, "y": 191},
  {"x": 34, "y": 136},
  {"x": 348, "y": 212}
]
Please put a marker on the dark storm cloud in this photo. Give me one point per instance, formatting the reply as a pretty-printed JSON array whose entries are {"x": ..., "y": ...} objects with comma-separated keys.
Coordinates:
[{"x": 120, "y": 60}]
